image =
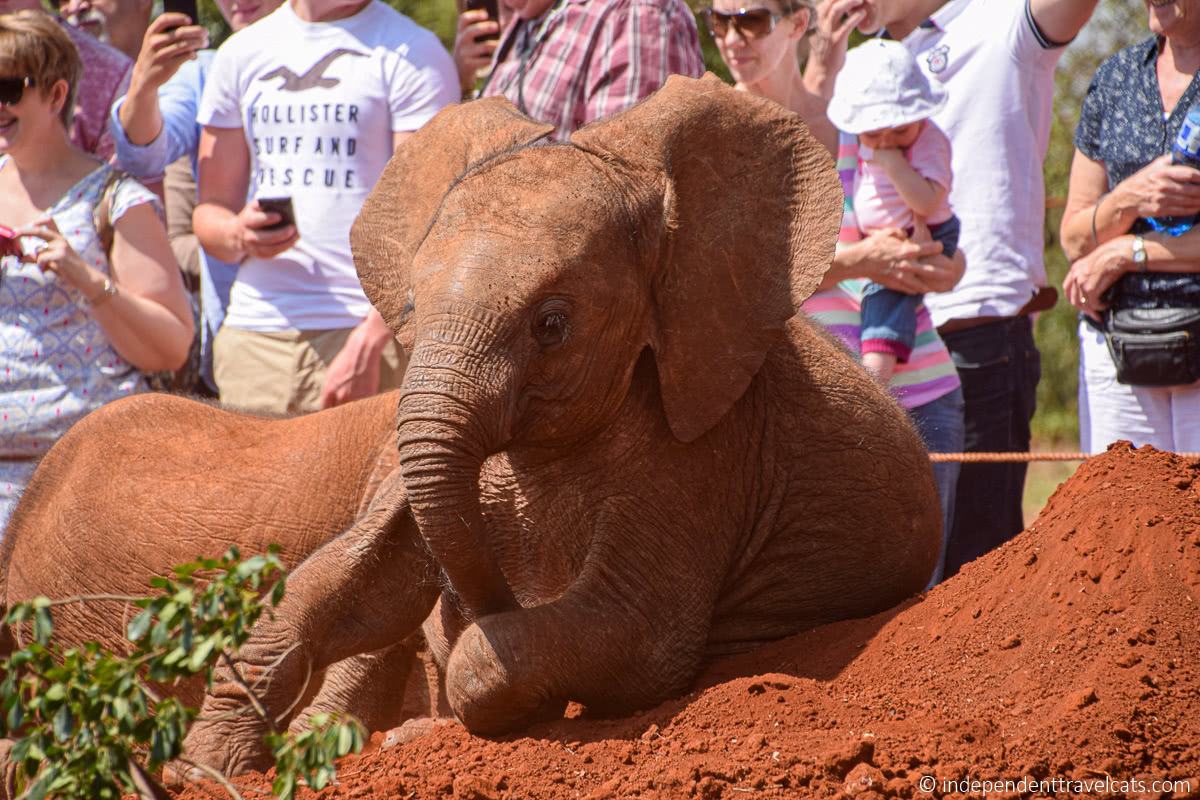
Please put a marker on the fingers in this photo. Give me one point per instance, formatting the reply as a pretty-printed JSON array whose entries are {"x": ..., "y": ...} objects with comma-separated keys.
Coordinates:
[
  {"x": 269, "y": 243},
  {"x": 166, "y": 21}
]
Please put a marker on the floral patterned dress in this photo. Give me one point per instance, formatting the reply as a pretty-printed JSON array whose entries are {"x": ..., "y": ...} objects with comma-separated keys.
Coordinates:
[{"x": 56, "y": 364}]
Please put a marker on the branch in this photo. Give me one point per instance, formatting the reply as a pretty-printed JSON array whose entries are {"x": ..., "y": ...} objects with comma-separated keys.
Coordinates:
[{"x": 254, "y": 701}]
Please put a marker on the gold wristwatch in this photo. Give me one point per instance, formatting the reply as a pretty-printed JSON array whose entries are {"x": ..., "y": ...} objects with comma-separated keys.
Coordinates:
[{"x": 1139, "y": 252}]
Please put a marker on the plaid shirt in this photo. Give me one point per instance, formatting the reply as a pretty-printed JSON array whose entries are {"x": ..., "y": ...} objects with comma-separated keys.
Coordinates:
[{"x": 584, "y": 60}]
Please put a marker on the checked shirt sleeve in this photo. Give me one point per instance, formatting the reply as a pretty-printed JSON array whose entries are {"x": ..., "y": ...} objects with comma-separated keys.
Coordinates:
[{"x": 639, "y": 44}]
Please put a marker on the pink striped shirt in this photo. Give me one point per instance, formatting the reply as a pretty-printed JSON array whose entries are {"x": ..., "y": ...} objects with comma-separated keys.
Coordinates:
[
  {"x": 929, "y": 373},
  {"x": 584, "y": 60}
]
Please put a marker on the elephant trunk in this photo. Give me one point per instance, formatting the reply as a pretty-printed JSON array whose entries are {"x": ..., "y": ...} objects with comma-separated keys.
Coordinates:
[{"x": 443, "y": 442}]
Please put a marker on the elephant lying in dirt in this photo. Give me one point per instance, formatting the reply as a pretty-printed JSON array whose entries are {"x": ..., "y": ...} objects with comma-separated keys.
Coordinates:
[
  {"x": 155, "y": 480},
  {"x": 623, "y": 446}
]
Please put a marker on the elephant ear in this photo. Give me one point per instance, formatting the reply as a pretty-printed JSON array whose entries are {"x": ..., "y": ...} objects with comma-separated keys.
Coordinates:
[
  {"x": 752, "y": 206},
  {"x": 396, "y": 215}
]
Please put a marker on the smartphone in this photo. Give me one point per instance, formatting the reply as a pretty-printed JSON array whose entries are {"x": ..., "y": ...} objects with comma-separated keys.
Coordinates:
[
  {"x": 493, "y": 14},
  {"x": 8, "y": 242},
  {"x": 183, "y": 7},
  {"x": 281, "y": 206}
]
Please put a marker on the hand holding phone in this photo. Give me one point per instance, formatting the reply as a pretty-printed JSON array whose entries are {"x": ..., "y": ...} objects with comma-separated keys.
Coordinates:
[
  {"x": 493, "y": 12},
  {"x": 187, "y": 7},
  {"x": 281, "y": 206},
  {"x": 9, "y": 246}
]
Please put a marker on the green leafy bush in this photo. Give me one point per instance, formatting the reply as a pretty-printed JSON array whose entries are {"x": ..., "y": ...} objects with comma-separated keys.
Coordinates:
[{"x": 88, "y": 723}]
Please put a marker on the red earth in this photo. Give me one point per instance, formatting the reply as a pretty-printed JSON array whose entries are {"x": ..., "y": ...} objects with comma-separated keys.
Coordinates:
[{"x": 1067, "y": 659}]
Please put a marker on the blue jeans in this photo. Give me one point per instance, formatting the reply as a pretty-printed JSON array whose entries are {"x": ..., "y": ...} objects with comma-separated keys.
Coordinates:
[
  {"x": 940, "y": 423},
  {"x": 999, "y": 366},
  {"x": 891, "y": 316}
]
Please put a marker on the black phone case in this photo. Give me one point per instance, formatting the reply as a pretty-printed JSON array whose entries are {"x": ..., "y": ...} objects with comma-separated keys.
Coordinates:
[
  {"x": 182, "y": 7},
  {"x": 281, "y": 206}
]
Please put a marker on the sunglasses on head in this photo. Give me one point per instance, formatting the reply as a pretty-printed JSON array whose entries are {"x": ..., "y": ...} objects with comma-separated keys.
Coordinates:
[
  {"x": 13, "y": 89},
  {"x": 751, "y": 23}
]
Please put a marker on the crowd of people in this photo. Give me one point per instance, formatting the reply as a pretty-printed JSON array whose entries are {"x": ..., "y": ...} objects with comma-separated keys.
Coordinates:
[{"x": 265, "y": 148}]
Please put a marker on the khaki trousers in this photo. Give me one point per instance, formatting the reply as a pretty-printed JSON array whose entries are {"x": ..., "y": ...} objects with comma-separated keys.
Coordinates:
[{"x": 283, "y": 373}]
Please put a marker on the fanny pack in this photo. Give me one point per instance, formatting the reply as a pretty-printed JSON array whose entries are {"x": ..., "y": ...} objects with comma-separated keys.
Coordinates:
[{"x": 1154, "y": 346}]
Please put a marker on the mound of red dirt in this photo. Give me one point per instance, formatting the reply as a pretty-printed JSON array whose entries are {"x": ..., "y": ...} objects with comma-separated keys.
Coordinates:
[{"x": 1069, "y": 655}]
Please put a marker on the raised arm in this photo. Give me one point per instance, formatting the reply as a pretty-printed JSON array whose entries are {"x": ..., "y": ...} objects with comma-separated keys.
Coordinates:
[{"x": 1060, "y": 21}]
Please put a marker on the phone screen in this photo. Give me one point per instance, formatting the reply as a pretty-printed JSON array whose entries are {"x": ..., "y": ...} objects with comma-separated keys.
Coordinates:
[
  {"x": 183, "y": 7},
  {"x": 281, "y": 206}
]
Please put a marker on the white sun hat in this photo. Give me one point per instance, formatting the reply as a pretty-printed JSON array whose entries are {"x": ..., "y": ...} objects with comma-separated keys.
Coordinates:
[{"x": 881, "y": 86}]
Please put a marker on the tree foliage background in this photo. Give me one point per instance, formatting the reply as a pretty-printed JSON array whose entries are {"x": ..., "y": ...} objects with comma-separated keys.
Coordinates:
[{"x": 1116, "y": 24}]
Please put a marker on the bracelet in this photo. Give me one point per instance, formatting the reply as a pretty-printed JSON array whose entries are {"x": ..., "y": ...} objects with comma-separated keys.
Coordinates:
[
  {"x": 1095, "y": 211},
  {"x": 107, "y": 293}
]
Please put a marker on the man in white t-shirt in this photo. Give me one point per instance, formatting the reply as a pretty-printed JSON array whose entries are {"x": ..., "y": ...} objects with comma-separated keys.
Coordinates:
[
  {"x": 996, "y": 60},
  {"x": 308, "y": 104}
]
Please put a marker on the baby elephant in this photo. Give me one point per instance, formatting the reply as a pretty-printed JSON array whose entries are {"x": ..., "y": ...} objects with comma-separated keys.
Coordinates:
[
  {"x": 623, "y": 445},
  {"x": 155, "y": 480}
]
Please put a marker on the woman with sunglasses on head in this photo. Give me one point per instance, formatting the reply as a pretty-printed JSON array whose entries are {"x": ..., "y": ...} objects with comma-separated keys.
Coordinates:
[
  {"x": 763, "y": 44},
  {"x": 758, "y": 42},
  {"x": 89, "y": 290}
]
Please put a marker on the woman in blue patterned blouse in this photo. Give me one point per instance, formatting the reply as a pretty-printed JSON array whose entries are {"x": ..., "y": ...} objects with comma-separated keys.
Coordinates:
[{"x": 1120, "y": 178}]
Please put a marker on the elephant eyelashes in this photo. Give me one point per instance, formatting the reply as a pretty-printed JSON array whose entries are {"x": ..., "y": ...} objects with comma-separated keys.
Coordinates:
[{"x": 551, "y": 329}]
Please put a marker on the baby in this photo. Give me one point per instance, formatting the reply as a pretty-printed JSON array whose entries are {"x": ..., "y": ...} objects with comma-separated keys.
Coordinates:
[{"x": 902, "y": 180}]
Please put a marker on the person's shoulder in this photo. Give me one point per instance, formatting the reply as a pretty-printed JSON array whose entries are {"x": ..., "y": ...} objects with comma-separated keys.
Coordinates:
[
  {"x": 668, "y": 8},
  {"x": 252, "y": 36},
  {"x": 387, "y": 21},
  {"x": 1121, "y": 64},
  {"x": 94, "y": 53}
]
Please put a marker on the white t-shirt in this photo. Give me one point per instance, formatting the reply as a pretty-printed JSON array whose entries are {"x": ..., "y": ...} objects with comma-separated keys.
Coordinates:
[
  {"x": 318, "y": 103},
  {"x": 998, "y": 72}
]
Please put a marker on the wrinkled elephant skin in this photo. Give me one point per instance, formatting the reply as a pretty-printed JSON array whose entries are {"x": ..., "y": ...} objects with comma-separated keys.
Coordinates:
[{"x": 620, "y": 442}]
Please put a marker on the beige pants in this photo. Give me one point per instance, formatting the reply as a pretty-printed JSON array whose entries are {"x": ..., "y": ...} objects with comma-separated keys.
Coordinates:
[{"x": 283, "y": 373}]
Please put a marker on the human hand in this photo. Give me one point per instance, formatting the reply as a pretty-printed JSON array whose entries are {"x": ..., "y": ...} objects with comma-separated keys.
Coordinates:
[
  {"x": 903, "y": 264},
  {"x": 1090, "y": 276},
  {"x": 354, "y": 371},
  {"x": 255, "y": 236},
  {"x": 57, "y": 256},
  {"x": 472, "y": 52},
  {"x": 170, "y": 40},
  {"x": 831, "y": 39},
  {"x": 1160, "y": 189}
]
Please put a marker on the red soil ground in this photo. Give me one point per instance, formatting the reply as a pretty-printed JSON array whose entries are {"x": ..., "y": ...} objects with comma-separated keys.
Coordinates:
[{"x": 1070, "y": 653}]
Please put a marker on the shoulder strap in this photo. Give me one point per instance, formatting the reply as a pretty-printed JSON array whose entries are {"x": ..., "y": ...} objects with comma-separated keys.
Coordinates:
[{"x": 102, "y": 213}]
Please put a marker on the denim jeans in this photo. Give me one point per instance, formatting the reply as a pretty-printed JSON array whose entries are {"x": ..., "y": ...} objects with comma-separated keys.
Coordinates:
[
  {"x": 940, "y": 423},
  {"x": 999, "y": 366}
]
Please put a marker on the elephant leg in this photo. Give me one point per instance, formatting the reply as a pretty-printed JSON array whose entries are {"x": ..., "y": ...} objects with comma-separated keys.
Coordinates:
[
  {"x": 370, "y": 687},
  {"x": 623, "y": 636},
  {"x": 366, "y": 590}
]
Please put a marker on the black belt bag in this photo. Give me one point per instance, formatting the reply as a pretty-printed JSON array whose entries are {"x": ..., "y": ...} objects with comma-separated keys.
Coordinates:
[{"x": 1154, "y": 346}]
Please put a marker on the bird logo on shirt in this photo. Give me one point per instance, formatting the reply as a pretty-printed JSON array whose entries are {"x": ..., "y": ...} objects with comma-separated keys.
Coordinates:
[{"x": 314, "y": 78}]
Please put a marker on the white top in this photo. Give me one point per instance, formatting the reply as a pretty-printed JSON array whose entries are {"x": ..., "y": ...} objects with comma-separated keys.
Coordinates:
[
  {"x": 318, "y": 103},
  {"x": 877, "y": 202},
  {"x": 999, "y": 74}
]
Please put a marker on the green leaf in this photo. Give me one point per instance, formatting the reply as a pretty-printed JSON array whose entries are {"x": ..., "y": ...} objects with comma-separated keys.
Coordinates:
[
  {"x": 64, "y": 723},
  {"x": 284, "y": 786},
  {"x": 43, "y": 626},
  {"x": 139, "y": 625},
  {"x": 199, "y": 657},
  {"x": 55, "y": 693}
]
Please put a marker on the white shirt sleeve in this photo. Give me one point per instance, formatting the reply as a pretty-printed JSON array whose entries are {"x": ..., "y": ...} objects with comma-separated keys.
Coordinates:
[
  {"x": 422, "y": 84},
  {"x": 1027, "y": 41},
  {"x": 221, "y": 106}
]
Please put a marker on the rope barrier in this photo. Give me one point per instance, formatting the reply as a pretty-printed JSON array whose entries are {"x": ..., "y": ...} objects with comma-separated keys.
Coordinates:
[{"x": 1000, "y": 458}]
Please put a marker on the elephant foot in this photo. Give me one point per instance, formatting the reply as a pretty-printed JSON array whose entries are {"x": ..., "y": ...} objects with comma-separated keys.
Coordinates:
[
  {"x": 483, "y": 694},
  {"x": 249, "y": 698}
]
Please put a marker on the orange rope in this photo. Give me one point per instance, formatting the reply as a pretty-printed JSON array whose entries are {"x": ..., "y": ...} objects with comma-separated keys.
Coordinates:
[{"x": 994, "y": 458}]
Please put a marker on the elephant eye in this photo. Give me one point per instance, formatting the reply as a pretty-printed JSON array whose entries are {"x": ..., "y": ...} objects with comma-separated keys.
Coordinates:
[{"x": 551, "y": 329}]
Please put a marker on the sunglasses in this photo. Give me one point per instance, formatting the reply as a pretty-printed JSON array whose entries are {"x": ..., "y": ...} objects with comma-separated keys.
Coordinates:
[
  {"x": 750, "y": 23},
  {"x": 13, "y": 89}
]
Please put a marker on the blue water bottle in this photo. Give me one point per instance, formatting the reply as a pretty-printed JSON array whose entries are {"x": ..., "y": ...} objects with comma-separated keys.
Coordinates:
[{"x": 1186, "y": 151}]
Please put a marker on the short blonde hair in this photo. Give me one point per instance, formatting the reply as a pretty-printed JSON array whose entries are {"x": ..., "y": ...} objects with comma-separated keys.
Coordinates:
[
  {"x": 790, "y": 7},
  {"x": 33, "y": 45}
]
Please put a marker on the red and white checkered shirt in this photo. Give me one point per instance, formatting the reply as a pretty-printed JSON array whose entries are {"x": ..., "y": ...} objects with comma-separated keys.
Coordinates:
[{"x": 584, "y": 60}]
